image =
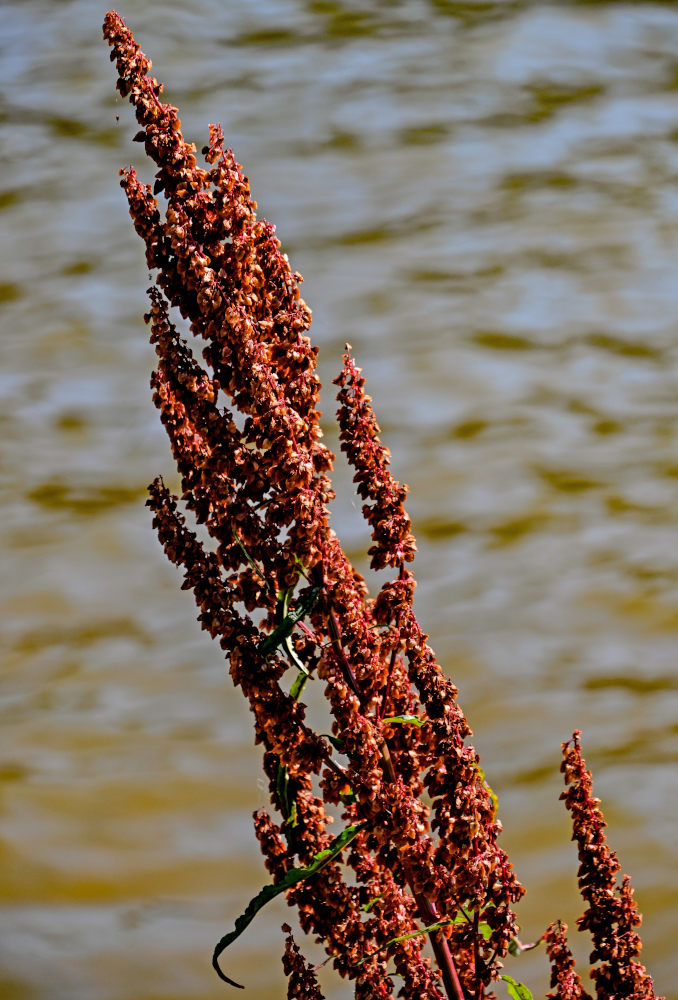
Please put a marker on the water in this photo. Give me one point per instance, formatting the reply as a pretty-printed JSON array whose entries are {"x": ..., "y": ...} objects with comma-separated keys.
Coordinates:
[{"x": 482, "y": 198}]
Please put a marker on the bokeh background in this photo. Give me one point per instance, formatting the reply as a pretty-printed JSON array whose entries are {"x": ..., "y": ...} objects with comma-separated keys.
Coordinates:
[{"x": 483, "y": 198}]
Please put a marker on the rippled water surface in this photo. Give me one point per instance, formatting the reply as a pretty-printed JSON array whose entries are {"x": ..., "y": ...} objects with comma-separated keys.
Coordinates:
[{"x": 483, "y": 198}]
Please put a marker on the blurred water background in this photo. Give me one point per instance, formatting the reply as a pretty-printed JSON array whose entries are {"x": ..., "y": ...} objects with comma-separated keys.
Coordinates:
[{"x": 483, "y": 199}]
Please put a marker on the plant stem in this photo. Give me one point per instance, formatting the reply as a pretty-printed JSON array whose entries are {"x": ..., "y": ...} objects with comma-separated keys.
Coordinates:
[
  {"x": 427, "y": 910},
  {"x": 429, "y": 914},
  {"x": 441, "y": 949},
  {"x": 381, "y": 711},
  {"x": 347, "y": 669}
]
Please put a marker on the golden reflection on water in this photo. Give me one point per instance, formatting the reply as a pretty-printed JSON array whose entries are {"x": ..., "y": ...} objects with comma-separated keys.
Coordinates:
[{"x": 481, "y": 197}]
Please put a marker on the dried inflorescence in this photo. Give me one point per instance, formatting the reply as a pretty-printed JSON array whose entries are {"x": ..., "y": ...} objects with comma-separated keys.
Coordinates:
[
  {"x": 359, "y": 435},
  {"x": 276, "y": 589},
  {"x": 301, "y": 981},
  {"x": 564, "y": 977},
  {"x": 612, "y": 915}
]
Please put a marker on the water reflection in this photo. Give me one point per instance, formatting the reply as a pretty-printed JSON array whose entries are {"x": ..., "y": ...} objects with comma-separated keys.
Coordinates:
[{"x": 481, "y": 197}]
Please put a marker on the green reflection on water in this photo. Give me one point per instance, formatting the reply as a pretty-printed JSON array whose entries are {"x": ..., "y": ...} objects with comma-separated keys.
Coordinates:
[
  {"x": 9, "y": 291},
  {"x": 83, "y": 500},
  {"x": 496, "y": 340},
  {"x": 548, "y": 99},
  {"x": 634, "y": 684},
  {"x": 568, "y": 480}
]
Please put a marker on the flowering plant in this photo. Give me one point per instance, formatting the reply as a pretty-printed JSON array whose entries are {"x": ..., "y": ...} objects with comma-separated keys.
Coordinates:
[{"x": 418, "y": 856}]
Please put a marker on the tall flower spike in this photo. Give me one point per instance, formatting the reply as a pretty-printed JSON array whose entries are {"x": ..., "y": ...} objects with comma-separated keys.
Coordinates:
[
  {"x": 612, "y": 915},
  {"x": 226, "y": 274},
  {"x": 564, "y": 978},
  {"x": 277, "y": 590},
  {"x": 302, "y": 983},
  {"x": 473, "y": 872},
  {"x": 359, "y": 435},
  {"x": 225, "y": 271}
]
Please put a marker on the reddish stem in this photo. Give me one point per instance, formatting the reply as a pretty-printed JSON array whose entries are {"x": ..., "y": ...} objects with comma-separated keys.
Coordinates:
[
  {"x": 346, "y": 668},
  {"x": 381, "y": 711},
  {"x": 476, "y": 955},
  {"x": 429, "y": 915},
  {"x": 427, "y": 910},
  {"x": 441, "y": 949},
  {"x": 309, "y": 633}
]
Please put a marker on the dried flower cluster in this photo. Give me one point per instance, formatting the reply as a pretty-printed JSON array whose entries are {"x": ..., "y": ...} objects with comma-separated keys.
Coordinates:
[
  {"x": 563, "y": 973},
  {"x": 275, "y": 587},
  {"x": 612, "y": 915}
]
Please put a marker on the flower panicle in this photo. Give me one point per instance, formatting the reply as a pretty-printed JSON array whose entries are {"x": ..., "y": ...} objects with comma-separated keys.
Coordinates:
[
  {"x": 244, "y": 431},
  {"x": 302, "y": 983},
  {"x": 225, "y": 272},
  {"x": 274, "y": 586},
  {"x": 565, "y": 981},
  {"x": 394, "y": 543},
  {"x": 612, "y": 914}
]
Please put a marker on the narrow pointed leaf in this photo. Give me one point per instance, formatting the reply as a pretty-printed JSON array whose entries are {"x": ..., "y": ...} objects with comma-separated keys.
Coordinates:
[
  {"x": 269, "y": 892},
  {"x": 336, "y": 743},
  {"x": 516, "y": 947},
  {"x": 248, "y": 557},
  {"x": 406, "y": 937},
  {"x": 292, "y": 653},
  {"x": 411, "y": 719},
  {"x": 286, "y": 627},
  {"x": 464, "y": 916},
  {"x": 303, "y": 675},
  {"x": 298, "y": 686}
]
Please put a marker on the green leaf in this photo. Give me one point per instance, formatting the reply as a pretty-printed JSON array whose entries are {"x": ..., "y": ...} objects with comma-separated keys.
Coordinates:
[
  {"x": 281, "y": 789},
  {"x": 405, "y": 937},
  {"x": 292, "y": 653},
  {"x": 518, "y": 991},
  {"x": 298, "y": 686},
  {"x": 286, "y": 627},
  {"x": 269, "y": 892},
  {"x": 516, "y": 947},
  {"x": 467, "y": 916},
  {"x": 248, "y": 557},
  {"x": 289, "y": 808},
  {"x": 461, "y": 917},
  {"x": 412, "y": 719},
  {"x": 336, "y": 743}
]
